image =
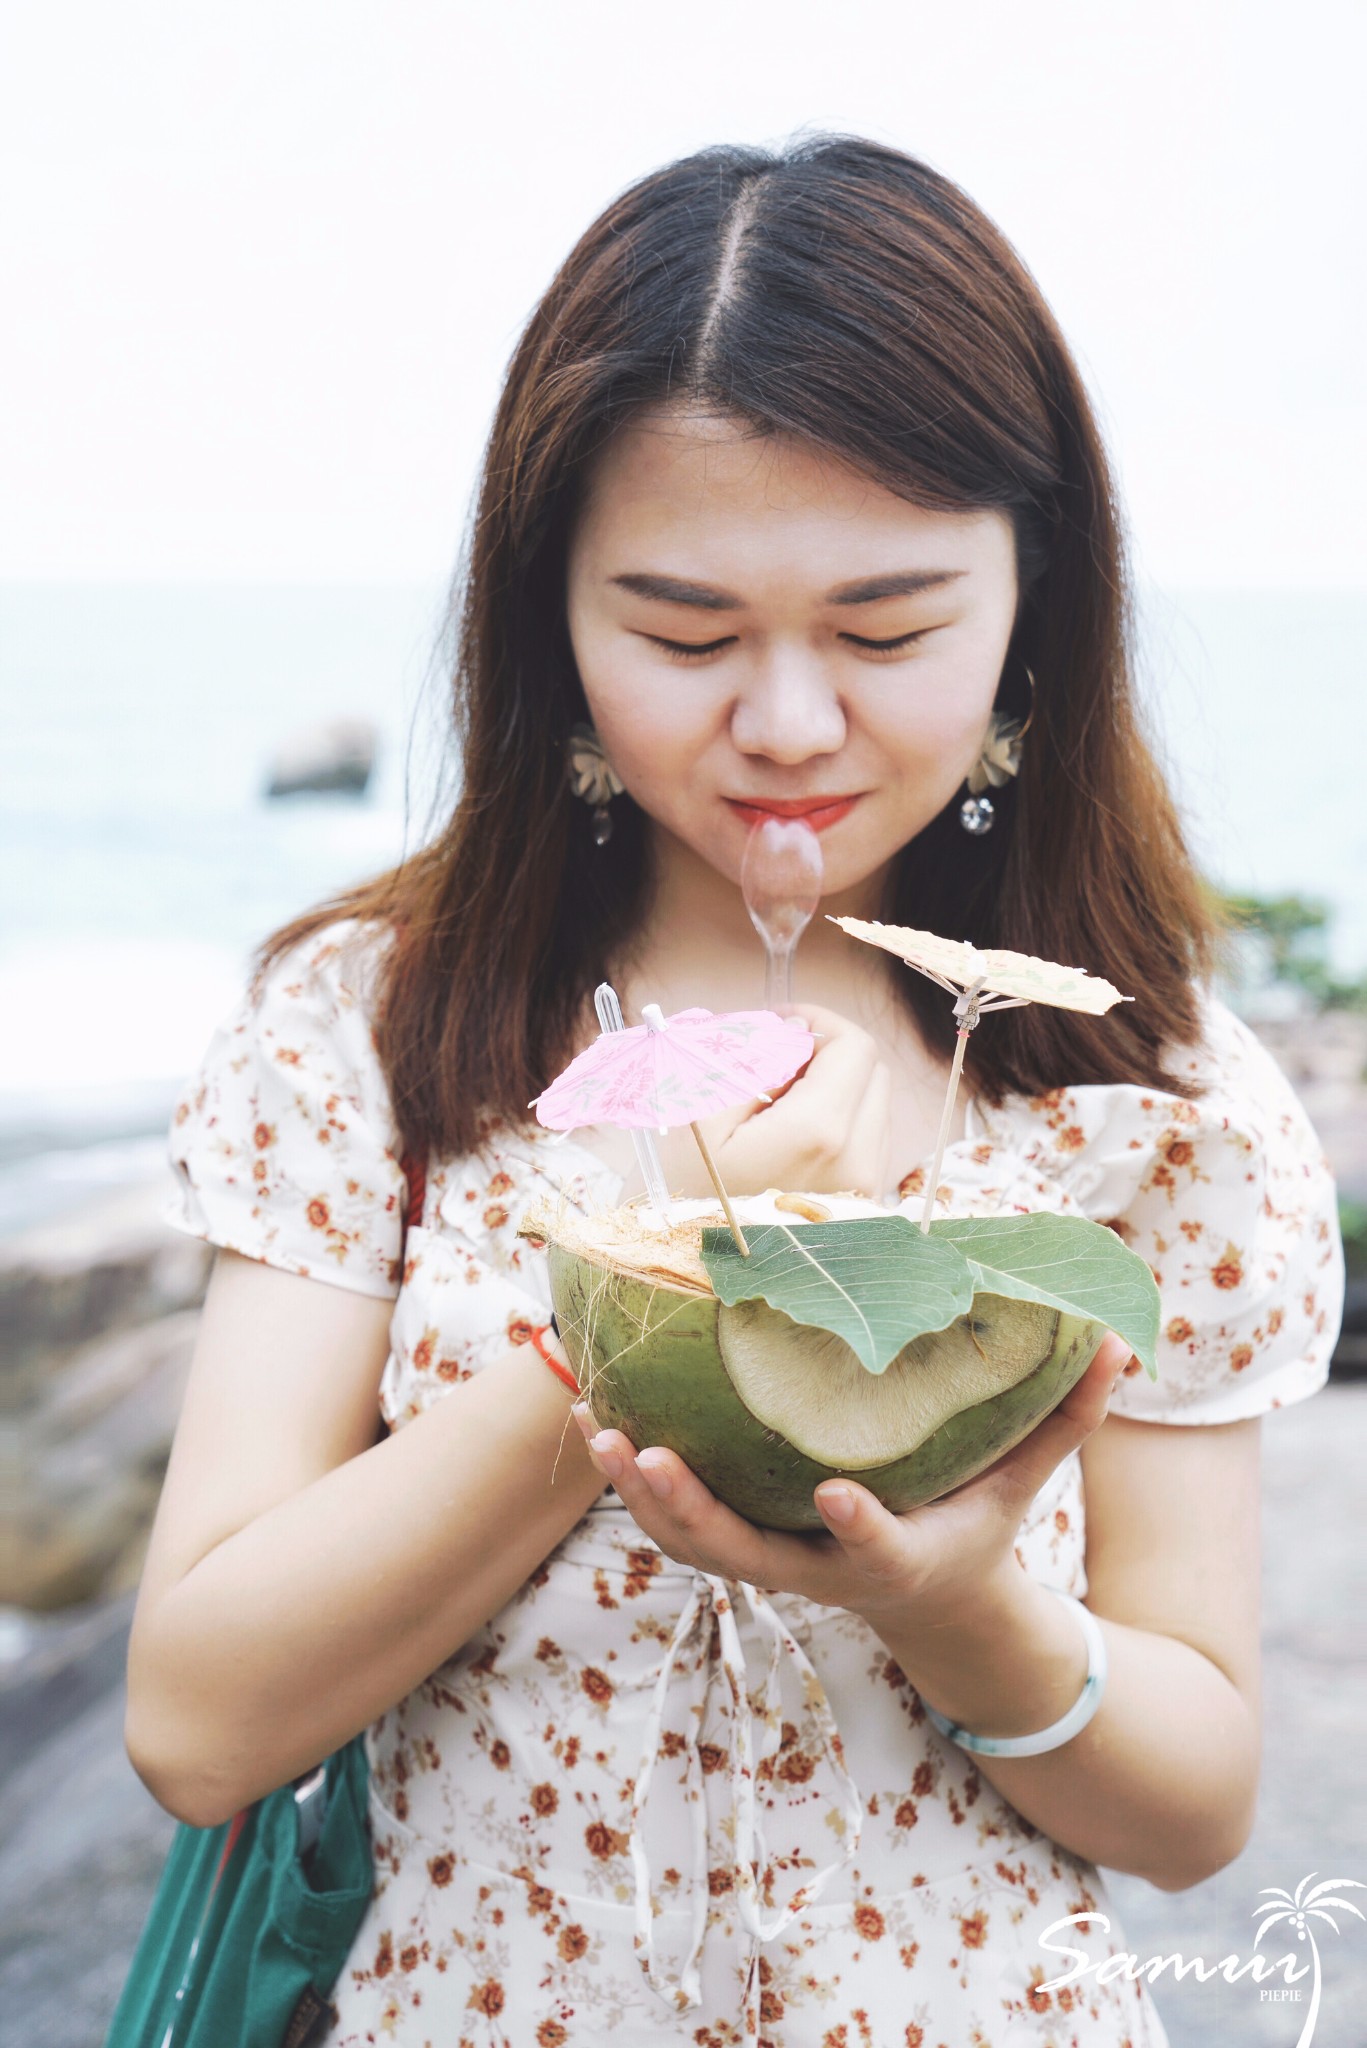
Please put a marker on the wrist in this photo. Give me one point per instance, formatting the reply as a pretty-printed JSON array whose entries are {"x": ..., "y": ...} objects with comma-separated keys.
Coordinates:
[
  {"x": 1012, "y": 1661},
  {"x": 974, "y": 1606},
  {"x": 1039, "y": 1741}
]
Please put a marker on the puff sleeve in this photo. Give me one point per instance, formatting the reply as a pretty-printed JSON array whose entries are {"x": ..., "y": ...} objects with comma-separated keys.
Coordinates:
[
  {"x": 284, "y": 1145},
  {"x": 1230, "y": 1200}
]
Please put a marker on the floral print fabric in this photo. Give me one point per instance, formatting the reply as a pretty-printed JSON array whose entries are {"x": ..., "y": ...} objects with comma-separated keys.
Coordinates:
[{"x": 649, "y": 1803}]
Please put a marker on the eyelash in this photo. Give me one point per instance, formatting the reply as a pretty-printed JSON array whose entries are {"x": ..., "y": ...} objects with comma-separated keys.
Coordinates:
[{"x": 684, "y": 651}]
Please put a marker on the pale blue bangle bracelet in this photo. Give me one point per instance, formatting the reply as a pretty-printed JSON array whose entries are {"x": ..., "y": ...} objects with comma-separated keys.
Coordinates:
[{"x": 1076, "y": 1718}]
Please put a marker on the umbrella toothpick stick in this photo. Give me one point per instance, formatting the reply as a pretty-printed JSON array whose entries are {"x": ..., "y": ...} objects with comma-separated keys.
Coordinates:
[
  {"x": 966, "y": 1010},
  {"x": 710, "y": 1163},
  {"x": 653, "y": 1018},
  {"x": 969, "y": 1010}
]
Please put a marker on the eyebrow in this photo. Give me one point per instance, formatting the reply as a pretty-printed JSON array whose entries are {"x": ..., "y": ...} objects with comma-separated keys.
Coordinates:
[{"x": 708, "y": 597}]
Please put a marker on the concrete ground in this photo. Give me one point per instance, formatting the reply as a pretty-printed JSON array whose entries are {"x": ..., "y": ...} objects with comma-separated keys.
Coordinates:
[
  {"x": 1313, "y": 1804},
  {"x": 82, "y": 1843}
]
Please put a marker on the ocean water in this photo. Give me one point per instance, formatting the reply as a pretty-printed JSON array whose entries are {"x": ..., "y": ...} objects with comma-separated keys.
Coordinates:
[{"x": 139, "y": 862}]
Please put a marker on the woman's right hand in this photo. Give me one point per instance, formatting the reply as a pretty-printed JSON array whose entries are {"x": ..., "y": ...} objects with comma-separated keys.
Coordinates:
[{"x": 827, "y": 1132}]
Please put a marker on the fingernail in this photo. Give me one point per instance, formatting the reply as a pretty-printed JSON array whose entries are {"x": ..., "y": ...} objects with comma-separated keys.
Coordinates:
[
  {"x": 836, "y": 1504},
  {"x": 583, "y": 1415},
  {"x": 656, "y": 1478},
  {"x": 605, "y": 1457}
]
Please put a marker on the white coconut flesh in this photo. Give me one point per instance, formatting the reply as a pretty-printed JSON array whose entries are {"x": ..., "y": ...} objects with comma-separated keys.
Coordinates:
[{"x": 811, "y": 1387}]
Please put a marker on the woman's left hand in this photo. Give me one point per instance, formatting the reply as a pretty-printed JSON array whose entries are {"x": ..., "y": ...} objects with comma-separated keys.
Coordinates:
[{"x": 927, "y": 1565}]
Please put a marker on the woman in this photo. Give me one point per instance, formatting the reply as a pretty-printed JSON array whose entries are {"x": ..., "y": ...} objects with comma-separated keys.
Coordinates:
[{"x": 792, "y": 487}]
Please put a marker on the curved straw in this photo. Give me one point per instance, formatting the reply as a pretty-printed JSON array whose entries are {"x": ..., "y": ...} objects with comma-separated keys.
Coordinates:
[{"x": 781, "y": 879}]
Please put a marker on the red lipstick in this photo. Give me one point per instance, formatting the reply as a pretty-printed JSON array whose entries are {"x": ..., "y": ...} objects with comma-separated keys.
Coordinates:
[{"x": 819, "y": 811}]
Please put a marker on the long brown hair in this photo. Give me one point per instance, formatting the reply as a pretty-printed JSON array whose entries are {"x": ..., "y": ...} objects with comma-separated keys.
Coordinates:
[{"x": 846, "y": 294}]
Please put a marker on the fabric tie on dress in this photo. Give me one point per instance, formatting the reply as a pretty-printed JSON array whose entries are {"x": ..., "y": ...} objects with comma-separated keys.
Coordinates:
[{"x": 710, "y": 1613}]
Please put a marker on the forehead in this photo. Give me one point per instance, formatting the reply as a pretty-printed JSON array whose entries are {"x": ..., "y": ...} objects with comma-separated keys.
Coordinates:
[{"x": 687, "y": 489}]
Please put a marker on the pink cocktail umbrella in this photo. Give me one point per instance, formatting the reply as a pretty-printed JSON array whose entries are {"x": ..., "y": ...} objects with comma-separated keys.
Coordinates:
[{"x": 668, "y": 1071}]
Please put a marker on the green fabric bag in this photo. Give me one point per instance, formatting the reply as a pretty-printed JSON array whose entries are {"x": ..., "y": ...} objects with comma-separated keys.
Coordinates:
[{"x": 244, "y": 1940}]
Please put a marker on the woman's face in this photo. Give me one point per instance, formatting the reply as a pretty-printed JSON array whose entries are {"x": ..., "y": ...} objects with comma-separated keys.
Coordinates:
[{"x": 760, "y": 628}]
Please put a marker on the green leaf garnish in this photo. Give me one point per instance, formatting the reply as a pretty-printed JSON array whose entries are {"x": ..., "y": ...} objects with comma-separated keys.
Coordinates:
[
  {"x": 879, "y": 1281},
  {"x": 876, "y": 1281},
  {"x": 1066, "y": 1262}
]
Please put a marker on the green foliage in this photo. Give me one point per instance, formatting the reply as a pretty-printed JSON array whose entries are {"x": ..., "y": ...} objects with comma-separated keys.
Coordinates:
[
  {"x": 1353, "y": 1225},
  {"x": 1293, "y": 933},
  {"x": 879, "y": 1281}
]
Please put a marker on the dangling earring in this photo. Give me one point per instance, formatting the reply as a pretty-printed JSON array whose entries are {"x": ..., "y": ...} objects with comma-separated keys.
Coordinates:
[
  {"x": 592, "y": 778},
  {"x": 998, "y": 762}
]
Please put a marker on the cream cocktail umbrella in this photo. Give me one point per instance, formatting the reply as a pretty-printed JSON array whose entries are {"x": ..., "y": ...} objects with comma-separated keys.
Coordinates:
[{"x": 980, "y": 981}]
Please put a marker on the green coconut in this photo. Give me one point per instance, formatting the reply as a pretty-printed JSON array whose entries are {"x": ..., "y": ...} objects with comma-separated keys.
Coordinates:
[{"x": 763, "y": 1407}]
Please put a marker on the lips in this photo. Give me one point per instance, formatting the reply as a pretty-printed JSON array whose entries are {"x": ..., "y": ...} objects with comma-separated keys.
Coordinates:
[{"x": 818, "y": 811}]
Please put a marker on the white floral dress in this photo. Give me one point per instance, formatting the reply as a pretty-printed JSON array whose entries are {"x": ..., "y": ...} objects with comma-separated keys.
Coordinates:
[{"x": 647, "y": 1805}]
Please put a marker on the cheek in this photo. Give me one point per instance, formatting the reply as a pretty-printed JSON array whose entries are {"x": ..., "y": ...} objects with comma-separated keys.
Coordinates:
[
  {"x": 651, "y": 724},
  {"x": 651, "y": 745},
  {"x": 939, "y": 743}
]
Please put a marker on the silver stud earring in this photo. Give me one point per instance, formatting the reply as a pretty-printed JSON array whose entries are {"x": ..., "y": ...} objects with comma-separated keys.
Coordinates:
[
  {"x": 997, "y": 763},
  {"x": 592, "y": 778}
]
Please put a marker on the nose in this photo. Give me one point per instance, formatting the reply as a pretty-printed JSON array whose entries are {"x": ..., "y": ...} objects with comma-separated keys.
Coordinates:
[{"x": 787, "y": 710}]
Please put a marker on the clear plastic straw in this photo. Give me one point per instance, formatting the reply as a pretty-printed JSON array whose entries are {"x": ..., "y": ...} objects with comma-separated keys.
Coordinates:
[{"x": 610, "y": 1018}]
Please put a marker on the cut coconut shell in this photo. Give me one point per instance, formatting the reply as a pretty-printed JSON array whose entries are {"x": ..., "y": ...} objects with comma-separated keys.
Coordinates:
[
  {"x": 810, "y": 1386},
  {"x": 763, "y": 1408}
]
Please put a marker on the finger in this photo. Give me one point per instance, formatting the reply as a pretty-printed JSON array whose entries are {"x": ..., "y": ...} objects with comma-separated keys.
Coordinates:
[
  {"x": 824, "y": 1025},
  {"x": 1020, "y": 1474},
  {"x": 887, "y": 1551},
  {"x": 691, "y": 1525},
  {"x": 723, "y": 1124},
  {"x": 868, "y": 1148},
  {"x": 679, "y": 1513},
  {"x": 815, "y": 1115},
  {"x": 1088, "y": 1401},
  {"x": 840, "y": 1067},
  {"x": 851, "y": 1050}
]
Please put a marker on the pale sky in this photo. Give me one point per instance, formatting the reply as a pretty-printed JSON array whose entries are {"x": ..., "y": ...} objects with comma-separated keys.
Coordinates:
[{"x": 264, "y": 263}]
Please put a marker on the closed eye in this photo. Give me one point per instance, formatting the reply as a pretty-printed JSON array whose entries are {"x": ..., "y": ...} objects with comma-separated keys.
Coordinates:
[
  {"x": 689, "y": 650},
  {"x": 887, "y": 646},
  {"x": 699, "y": 650}
]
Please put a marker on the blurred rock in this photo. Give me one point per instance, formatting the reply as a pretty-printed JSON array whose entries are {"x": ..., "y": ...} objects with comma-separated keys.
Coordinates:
[
  {"x": 113, "y": 1265},
  {"x": 1324, "y": 1056},
  {"x": 99, "y": 1314},
  {"x": 93, "y": 1452},
  {"x": 82, "y": 1841},
  {"x": 336, "y": 757},
  {"x": 52, "y": 1666}
]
